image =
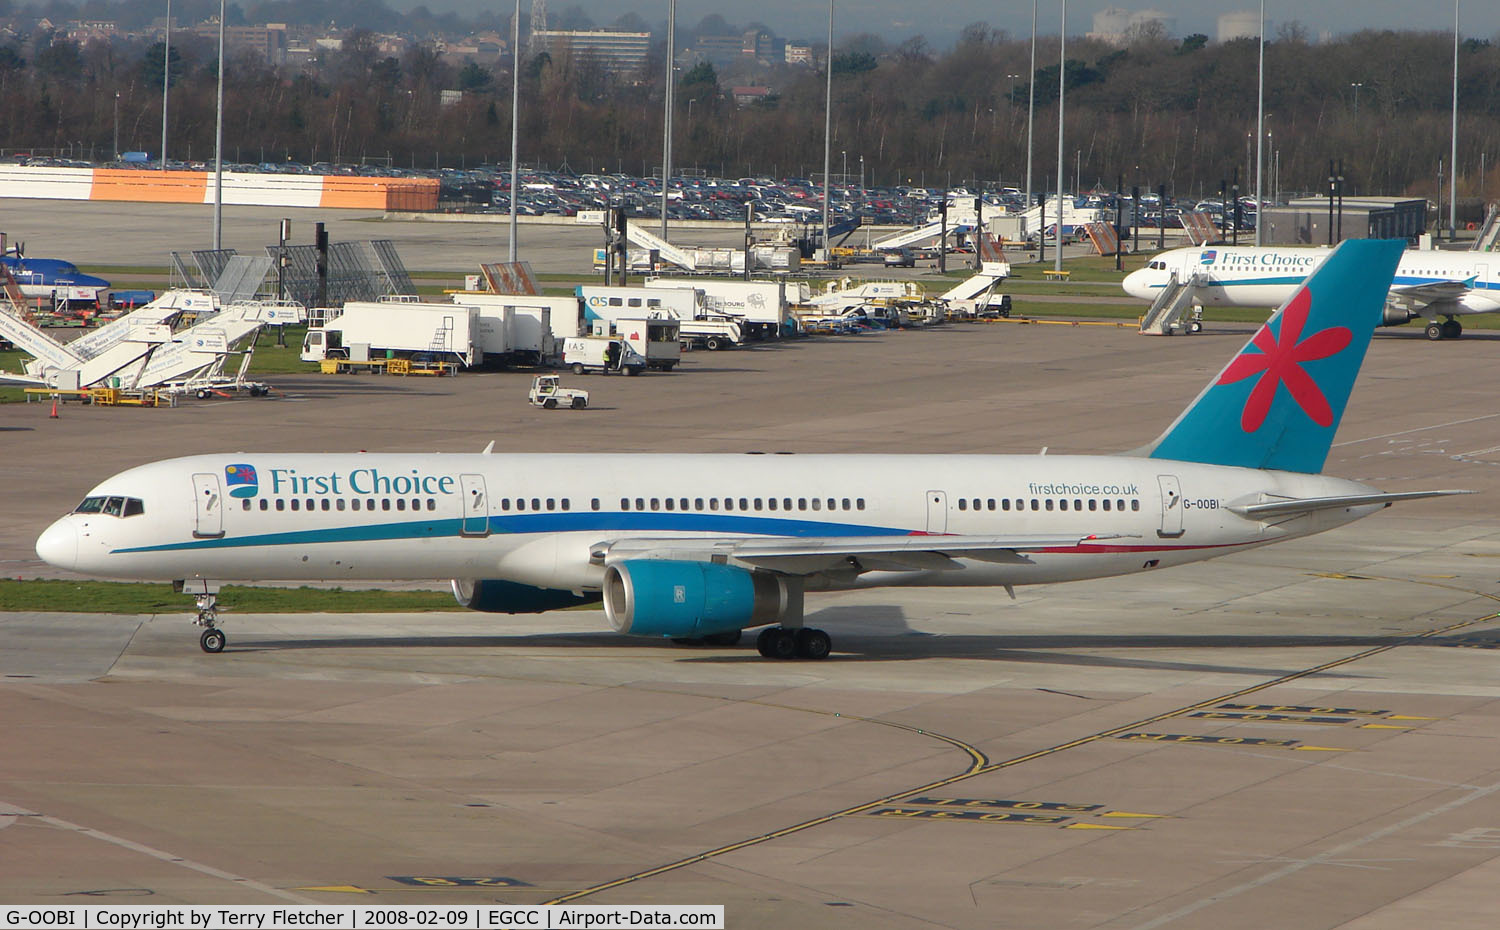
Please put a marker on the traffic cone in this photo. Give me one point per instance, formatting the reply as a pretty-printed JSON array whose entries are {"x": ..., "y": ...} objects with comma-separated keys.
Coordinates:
[{"x": 53, "y": 414}]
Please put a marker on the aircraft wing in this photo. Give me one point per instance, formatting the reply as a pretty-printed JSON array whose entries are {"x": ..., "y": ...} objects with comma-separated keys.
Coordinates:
[
  {"x": 1295, "y": 507},
  {"x": 800, "y": 555},
  {"x": 1421, "y": 295}
]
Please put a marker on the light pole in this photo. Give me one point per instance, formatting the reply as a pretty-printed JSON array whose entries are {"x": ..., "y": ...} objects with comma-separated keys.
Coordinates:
[
  {"x": 515, "y": 119},
  {"x": 1010, "y": 97},
  {"x": 1062, "y": 83},
  {"x": 828, "y": 129},
  {"x": 666, "y": 143},
  {"x": 219, "y": 143},
  {"x": 844, "y": 171},
  {"x": 1260, "y": 115},
  {"x": 1453, "y": 156},
  {"x": 861, "y": 175},
  {"x": 166, "y": 84},
  {"x": 1030, "y": 109},
  {"x": 117, "y": 125},
  {"x": 1356, "y": 85}
]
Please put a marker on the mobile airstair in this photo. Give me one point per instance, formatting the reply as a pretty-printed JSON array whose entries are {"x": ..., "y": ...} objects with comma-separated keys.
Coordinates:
[{"x": 1173, "y": 310}]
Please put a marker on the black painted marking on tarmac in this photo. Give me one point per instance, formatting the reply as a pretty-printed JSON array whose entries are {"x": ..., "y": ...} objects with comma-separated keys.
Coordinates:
[
  {"x": 1302, "y": 709},
  {"x": 990, "y": 804},
  {"x": 455, "y": 881},
  {"x": 980, "y": 764},
  {"x": 927, "y": 813},
  {"x": 1269, "y": 718},
  {"x": 1217, "y": 740}
]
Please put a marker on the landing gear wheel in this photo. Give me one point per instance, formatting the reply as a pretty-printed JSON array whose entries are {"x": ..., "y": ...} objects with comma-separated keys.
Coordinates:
[
  {"x": 1434, "y": 331},
  {"x": 1452, "y": 329},
  {"x": 777, "y": 643},
  {"x": 550, "y": 403},
  {"x": 731, "y": 638},
  {"x": 577, "y": 368},
  {"x": 579, "y": 403},
  {"x": 813, "y": 644},
  {"x": 212, "y": 641}
]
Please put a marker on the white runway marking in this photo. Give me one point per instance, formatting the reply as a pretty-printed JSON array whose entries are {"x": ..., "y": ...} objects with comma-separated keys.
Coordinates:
[{"x": 1488, "y": 416}]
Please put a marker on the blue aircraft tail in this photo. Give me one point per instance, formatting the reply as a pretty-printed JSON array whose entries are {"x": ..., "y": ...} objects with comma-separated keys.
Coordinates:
[{"x": 1277, "y": 404}]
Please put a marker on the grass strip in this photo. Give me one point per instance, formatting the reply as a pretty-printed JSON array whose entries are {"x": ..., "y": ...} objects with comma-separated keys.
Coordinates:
[{"x": 112, "y": 597}]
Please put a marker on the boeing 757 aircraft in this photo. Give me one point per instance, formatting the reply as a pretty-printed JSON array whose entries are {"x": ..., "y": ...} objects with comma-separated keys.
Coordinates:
[
  {"x": 1428, "y": 284},
  {"x": 700, "y": 547}
]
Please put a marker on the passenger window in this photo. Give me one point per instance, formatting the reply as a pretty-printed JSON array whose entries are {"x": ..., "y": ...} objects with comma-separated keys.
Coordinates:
[
  {"x": 713, "y": 503},
  {"x": 416, "y": 503},
  {"x": 341, "y": 504},
  {"x": 551, "y": 503},
  {"x": 860, "y": 503},
  {"x": 400, "y": 503},
  {"x": 594, "y": 504},
  {"x": 385, "y": 503},
  {"x": 296, "y": 504},
  {"x": 504, "y": 503},
  {"x": 1061, "y": 505},
  {"x": 655, "y": 503},
  {"x": 846, "y": 503},
  {"x": 326, "y": 505},
  {"x": 1093, "y": 505},
  {"x": 963, "y": 504},
  {"x": 1135, "y": 505},
  {"x": 757, "y": 503},
  {"x": 771, "y": 504},
  {"x": 616, "y": 302},
  {"x": 669, "y": 503},
  {"x": 684, "y": 503},
  {"x": 265, "y": 504},
  {"x": 640, "y": 503},
  {"x": 245, "y": 504},
  {"x": 1004, "y": 503},
  {"x": 1106, "y": 503},
  {"x": 1037, "y": 505},
  {"x": 816, "y": 504},
  {"x": 431, "y": 503},
  {"x": 309, "y": 503},
  {"x": 280, "y": 504},
  {"x": 354, "y": 503},
  {"x": 1077, "y": 504},
  {"x": 1120, "y": 506},
  {"x": 992, "y": 503},
  {"x": 698, "y": 503},
  {"x": 370, "y": 504},
  {"x": 832, "y": 504},
  {"x": 801, "y": 503},
  {"x": 1049, "y": 503},
  {"x": 743, "y": 506},
  {"x": 786, "y": 503},
  {"x": 536, "y": 503},
  {"x": 520, "y": 503},
  {"x": 624, "y": 503}
]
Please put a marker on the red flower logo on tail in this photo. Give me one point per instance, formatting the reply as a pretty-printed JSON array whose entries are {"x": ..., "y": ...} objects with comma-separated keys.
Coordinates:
[{"x": 1280, "y": 362}]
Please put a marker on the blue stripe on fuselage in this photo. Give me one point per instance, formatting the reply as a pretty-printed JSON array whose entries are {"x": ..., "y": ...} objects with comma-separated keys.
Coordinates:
[{"x": 534, "y": 523}]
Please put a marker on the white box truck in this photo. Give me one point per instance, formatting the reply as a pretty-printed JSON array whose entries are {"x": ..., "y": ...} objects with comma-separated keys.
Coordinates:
[
  {"x": 604, "y": 354},
  {"x": 698, "y": 326},
  {"x": 523, "y": 329},
  {"x": 760, "y": 306},
  {"x": 372, "y": 330},
  {"x": 656, "y": 339}
]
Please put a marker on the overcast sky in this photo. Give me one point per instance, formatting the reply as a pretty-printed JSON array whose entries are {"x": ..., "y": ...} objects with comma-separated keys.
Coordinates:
[{"x": 940, "y": 21}]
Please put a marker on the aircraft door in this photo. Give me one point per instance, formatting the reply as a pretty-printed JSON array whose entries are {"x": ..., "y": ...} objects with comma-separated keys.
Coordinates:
[
  {"x": 209, "y": 507},
  {"x": 1171, "y": 506},
  {"x": 476, "y": 504},
  {"x": 937, "y": 512}
]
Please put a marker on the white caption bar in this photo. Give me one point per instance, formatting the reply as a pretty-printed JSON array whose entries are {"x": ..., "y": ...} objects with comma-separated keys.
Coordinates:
[{"x": 363, "y": 917}]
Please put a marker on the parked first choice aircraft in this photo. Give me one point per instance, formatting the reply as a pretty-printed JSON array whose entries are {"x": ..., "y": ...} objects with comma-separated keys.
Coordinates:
[
  {"x": 700, "y": 547},
  {"x": 1428, "y": 283},
  {"x": 54, "y": 279}
]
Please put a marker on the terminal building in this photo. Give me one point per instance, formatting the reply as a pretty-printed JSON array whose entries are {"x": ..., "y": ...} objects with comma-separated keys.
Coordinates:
[
  {"x": 1306, "y": 220},
  {"x": 616, "y": 52}
]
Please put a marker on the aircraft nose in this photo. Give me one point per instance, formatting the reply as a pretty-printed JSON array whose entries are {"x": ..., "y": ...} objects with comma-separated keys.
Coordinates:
[
  {"x": 58, "y": 545},
  {"x": 1133, "y": 284}
]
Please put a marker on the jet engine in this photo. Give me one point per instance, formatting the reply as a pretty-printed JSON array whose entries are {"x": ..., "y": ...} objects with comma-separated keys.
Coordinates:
[
  {"x": 507, "y": 597},
  {"x": 1396, "y": 316},
  {"x": 685, "y": 599}
]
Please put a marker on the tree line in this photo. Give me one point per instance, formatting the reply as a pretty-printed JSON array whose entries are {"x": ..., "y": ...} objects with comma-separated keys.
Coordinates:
[{"x": 1179, "y": 112}]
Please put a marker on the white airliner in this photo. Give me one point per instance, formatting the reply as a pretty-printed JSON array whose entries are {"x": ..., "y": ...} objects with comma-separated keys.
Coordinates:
[
  {"x": 700, "y": 547},
  {"x": 1428, "y": 283}
]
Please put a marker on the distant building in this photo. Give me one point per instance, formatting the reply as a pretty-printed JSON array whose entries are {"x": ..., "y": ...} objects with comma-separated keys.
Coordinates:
[
  {"x": 744, "y": 96},
  {"x": 1241, "y": 24},
  {"x": 448, "y": 98},
  {"x": 617, "y": 52},
  {"x": 1117, "y": 26},
  {"x": 268, "y": 41},
  {"x": 719, "y": 50},
  {"x": 1305, "y": 220},
  {"x": 799, "y": 54}
]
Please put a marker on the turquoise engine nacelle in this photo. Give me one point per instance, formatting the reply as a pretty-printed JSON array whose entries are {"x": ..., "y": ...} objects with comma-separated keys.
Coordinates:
[
  {"x": 686, "y": 599},
  {"x": 497, "y": 596}
]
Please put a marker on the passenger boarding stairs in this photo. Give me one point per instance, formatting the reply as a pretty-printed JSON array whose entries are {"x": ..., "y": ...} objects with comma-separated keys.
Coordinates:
[
  {"x": 1488, "y": 239},
  {"x": 668, "y": 252},
  {"x": 1173, "y": 303}
]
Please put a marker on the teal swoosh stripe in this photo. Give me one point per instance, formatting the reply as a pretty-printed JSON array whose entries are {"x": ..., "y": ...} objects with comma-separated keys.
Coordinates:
[{"x": 537, "y": 523}]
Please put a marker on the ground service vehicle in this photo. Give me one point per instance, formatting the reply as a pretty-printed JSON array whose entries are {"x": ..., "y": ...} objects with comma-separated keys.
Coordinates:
[
  {"x": 548, "y": 392},
  {"x": 372, "y": 330},
  {"x": 603, "y": 354}
]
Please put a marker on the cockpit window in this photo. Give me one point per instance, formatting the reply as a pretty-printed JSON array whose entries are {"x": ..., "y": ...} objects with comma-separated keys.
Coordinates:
[{"x": 112, "y": 506}]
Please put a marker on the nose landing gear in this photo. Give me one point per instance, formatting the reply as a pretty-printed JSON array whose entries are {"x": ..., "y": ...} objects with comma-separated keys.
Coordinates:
[{"x": 206, "y": 594}]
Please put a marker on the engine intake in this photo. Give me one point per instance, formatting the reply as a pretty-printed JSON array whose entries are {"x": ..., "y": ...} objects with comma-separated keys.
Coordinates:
[
  {"x": 1396, "y": 316},
  {"x": 677, "y": 599}
]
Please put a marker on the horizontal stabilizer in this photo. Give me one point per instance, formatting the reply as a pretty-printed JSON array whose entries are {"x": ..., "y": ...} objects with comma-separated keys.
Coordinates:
[{"x": 1287, "y": 508}]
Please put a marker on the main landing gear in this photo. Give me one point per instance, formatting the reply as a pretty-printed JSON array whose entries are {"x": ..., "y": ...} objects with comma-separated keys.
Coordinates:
[
  {"x": 779, "y": 642},
  {"x": 1448, "y": 329}
]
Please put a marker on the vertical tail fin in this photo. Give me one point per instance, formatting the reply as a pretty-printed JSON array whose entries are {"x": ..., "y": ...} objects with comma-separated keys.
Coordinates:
[{"x": 1277, "y": 404}]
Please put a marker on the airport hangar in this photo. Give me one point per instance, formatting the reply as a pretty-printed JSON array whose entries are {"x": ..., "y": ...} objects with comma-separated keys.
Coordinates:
[{"x": 1301, "y": 736}]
